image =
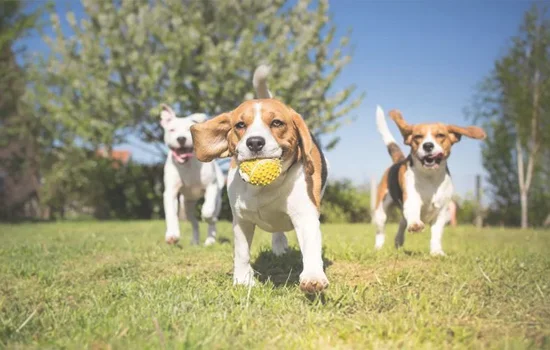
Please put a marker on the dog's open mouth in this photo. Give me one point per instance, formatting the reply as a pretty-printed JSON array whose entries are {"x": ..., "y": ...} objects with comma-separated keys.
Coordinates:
[
  {"x": 182, "y": 154},
  {"x": 432, "y": 160}
]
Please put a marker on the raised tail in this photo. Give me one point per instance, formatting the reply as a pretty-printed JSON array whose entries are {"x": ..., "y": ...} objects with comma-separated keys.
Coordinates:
[
  {"x": 259, "y": 81},
  {"x": 393, "y": 149}
]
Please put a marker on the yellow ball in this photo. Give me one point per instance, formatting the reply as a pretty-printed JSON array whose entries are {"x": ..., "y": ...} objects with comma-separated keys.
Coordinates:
[{"x": 260, "y": 172}]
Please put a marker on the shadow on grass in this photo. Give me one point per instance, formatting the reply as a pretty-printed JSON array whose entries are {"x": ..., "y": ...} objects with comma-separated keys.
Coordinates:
[
  {"x": 412, "y": 253},
  {"x": 282, "y": 270},
  {"x": 223, "y": 240}
]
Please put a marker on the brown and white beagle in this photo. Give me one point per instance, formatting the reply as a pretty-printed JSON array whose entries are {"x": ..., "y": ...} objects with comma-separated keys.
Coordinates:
[
  {"x": 420, "y": 184},
  {"x": 267, "y": 128}
]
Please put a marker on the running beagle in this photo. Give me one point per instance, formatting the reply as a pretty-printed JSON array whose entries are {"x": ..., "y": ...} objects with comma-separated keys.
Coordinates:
[
  {"x": 419, "y": 184},
  {"x": 267, "y": 128}
]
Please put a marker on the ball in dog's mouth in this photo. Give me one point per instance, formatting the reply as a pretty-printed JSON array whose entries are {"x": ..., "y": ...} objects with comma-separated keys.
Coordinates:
[
  {"x": 182, "y": 154},
  {"x": 261, "y": 171},
  {"x": 432, "y": 161}
]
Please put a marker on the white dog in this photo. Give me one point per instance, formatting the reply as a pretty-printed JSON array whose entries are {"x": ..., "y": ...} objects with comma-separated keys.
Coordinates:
[
  {"x": 185, "y": 176},
  {"x": 419, "y": 184},
  {"x": 267, "y": 128}
]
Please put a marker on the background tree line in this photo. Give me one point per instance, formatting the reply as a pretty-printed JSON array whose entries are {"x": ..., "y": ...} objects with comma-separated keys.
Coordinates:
[{"x": 101, "y": 80}]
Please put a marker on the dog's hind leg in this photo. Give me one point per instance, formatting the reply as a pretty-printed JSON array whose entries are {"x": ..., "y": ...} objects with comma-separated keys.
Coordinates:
[
  {"x": 380, "y": 218},
  {"x": 192, "y": 217},
  {"x": 210, "y": 211},
  {"x": 400, "y": 236},
  {"x": 279, "y": 243}
]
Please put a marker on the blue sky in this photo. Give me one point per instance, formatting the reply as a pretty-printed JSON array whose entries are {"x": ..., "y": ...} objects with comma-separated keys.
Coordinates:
[{"x": 422, "y": 57}]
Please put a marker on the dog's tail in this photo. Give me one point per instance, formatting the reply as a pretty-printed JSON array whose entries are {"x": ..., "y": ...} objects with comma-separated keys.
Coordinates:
[
  {"x": 393, "y": 149},
  {"x": 260, "y": 81}
]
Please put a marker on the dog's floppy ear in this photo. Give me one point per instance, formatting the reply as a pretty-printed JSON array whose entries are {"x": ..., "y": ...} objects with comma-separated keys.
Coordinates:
[
  {"x": 306, "y": 142},
  {"x": 210, "y": 139},
  {"x": 404, "y": 128},
  {"x": 166, "y": 115},
  {"x": 456, "y": 132}
]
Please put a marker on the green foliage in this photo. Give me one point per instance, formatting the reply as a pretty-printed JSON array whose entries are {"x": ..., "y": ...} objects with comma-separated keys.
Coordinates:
[
  {"x": 345, "y": 202},
  {"x": 118, "y": 285},
  {"x": 512, "y": 104},
  {"x": 125, "y": 58},
  {"x": 467, "y": 209},
  {"x": 83, "y": 182}
]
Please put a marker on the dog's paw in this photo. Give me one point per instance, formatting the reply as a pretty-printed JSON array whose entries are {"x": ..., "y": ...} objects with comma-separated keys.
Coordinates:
[
  {"x": 379, "y": 241},
  {"x": 416, "y": 227},
  {"x": 172, "y": 239},
  {"x": 244, "y": 278},
  {"x": 313, "y": 282},
  {"x": 437, "y": 252},
  {"x": 209, "y": 241}
]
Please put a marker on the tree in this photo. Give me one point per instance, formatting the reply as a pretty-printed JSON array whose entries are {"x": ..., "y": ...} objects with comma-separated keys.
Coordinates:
[
  {"x": 18, "y": 165},
  {"x": 106, "y": 79},
  {"x": 513, "y": 104}
]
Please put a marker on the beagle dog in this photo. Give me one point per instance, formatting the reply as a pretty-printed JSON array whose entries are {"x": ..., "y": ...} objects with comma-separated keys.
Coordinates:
[
  {"x": 420, "y": 184},
  {"x": 267, "y": 128}
]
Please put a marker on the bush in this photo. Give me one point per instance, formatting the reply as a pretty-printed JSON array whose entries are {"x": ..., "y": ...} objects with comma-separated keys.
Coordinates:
[{"x": 345, "y": 202}]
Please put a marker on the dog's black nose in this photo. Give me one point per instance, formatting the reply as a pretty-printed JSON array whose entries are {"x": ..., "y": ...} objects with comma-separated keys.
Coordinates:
[
  {"x": 255, "y": 144},
  {"x": 428, "y": 146},
  {"x": 181, "y": 140}
]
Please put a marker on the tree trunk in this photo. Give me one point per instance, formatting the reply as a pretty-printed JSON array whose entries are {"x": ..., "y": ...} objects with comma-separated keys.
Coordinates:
[
  {"x": 524, "y": 209},
  {"x": 522, "y": 187}
]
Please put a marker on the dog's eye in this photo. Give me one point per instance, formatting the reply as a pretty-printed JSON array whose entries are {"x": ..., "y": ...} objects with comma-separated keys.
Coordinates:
[
  {"x": 440, "y": 136},
  {"x": 418, "y": 137},
  {"x": 240, "y": 125},
  {"x": 276, "y": 123}
]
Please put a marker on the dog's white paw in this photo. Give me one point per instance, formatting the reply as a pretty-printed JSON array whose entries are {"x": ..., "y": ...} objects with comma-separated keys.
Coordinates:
[
  {"x": 209, "y": 241},
  {"x": 244, "y": 278},
  {"x": 313, "y": 281},
  {"x": 172, "y": 238},
  {"x": 415, "y": 227},
  {"x": 437, "y": 252},
  {"x": 379, "y": 241}
]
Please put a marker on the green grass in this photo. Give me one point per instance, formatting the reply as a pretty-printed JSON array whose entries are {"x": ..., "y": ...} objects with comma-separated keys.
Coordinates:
[{"x": 118, "y": 285}]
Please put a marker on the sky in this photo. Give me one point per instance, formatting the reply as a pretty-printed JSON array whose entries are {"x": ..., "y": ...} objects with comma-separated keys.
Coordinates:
[{"x": 424, "y": 58}]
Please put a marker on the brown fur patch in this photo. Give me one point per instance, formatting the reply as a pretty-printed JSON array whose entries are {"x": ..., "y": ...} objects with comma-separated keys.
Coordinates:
[
  {"x": 382, "y": 189},
  {"x": 312, "y": 160},
  {"x": 393, "y": 185},
  {"x": 395, "y": 152},
  {"x": 314, "y": 180}
]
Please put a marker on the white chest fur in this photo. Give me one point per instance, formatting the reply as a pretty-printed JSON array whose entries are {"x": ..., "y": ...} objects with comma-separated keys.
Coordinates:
[
  {"x": 192, "y": 177},
  {"x": 267, "y": 206},
  {"x": 432, "y": 190}
]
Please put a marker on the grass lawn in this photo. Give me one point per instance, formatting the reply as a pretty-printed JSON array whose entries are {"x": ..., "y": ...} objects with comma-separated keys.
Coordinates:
[{"x": 118, "y": 285}]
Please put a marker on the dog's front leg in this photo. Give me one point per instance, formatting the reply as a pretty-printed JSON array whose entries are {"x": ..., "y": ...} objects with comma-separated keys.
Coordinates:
[
  {"x": 170, "y": 197},
  {"x": 308, "y": 231},
  {"x": 412, "y": 206},
  {"x": 437, "y": 233},
  {"x": 243, "y": 232}
]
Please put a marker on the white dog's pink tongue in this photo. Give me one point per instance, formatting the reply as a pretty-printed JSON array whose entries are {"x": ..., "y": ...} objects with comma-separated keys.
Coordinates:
[{"x": 181, "y": 157}]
